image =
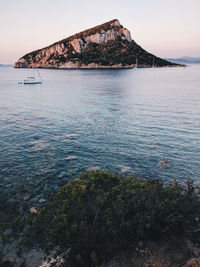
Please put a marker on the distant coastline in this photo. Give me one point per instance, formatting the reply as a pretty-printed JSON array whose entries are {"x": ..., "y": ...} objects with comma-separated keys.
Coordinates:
[
  {"x": 6, "y": 65},
  {"x": 185, "y": 60}
]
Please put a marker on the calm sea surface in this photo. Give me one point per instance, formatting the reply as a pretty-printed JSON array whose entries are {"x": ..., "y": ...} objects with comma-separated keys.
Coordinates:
[{"x": 144, "y": 121}]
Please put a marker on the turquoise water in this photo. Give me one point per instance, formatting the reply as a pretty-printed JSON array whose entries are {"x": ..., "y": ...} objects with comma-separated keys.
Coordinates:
[{"x": 125, "y": 121}]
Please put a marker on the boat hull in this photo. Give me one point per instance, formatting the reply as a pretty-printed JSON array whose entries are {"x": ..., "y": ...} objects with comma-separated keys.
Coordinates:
[{"x": 32, "y": 82}]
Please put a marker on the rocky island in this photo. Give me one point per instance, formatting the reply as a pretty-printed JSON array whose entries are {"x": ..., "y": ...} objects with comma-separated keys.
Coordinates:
[{"x": 105, "y": 46}]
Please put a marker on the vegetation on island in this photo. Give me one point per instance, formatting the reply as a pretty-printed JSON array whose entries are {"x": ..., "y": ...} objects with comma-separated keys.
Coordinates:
[
  {"x": 100, "y": 215},
  {"x": 106, "y": 54},
  {"x": 115, "y": 52}
]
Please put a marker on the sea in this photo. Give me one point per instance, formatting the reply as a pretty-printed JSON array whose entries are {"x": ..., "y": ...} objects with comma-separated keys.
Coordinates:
[{"x": 140, "y": 122}]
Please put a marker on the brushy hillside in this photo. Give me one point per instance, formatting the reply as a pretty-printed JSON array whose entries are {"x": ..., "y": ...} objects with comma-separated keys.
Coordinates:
[{"x": 99, "y": 216}]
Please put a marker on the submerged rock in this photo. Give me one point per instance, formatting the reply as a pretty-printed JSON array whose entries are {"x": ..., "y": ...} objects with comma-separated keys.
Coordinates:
[
  {"x": 72, "y": 135},
  {"x": 42, "y": 200},
  {"x": 33, "y": 210},
  {"x": 27, "y": 196},
  {"x": 93, "y": 169},
  {"x": 124, "y": 169},
  {"x": 164, "y": 163},
  {"x": 71, "y": 158}
]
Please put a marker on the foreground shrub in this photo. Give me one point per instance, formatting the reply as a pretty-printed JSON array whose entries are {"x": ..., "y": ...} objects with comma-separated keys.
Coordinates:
[{"x": 95, "y": 217}]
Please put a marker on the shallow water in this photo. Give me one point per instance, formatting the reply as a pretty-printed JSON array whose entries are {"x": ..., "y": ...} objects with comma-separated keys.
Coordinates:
[{"x": 126, "y": 121}]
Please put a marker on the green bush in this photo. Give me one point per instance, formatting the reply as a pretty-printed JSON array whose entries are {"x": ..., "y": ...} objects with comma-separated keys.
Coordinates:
[{"x": 98, "y": 215}]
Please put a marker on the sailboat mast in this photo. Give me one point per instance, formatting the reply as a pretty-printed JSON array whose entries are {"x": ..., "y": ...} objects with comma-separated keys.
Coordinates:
[
  {"x": 153, "y": 62},
  {"x": 39, "y": 75}
]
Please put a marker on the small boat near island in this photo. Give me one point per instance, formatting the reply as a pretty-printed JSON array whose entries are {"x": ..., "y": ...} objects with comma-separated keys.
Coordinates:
[
  {"x": 136, "y": 63},
  {"x": 32, "y": 80},
  {"x": 153, "y": 66}
]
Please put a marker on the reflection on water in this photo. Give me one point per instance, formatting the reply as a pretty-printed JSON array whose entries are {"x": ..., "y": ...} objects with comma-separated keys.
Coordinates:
[{"x": 142, "y": 121}]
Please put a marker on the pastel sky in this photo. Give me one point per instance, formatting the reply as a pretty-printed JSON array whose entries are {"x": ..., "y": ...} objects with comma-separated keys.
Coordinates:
[{"x": 166, "y": 28}]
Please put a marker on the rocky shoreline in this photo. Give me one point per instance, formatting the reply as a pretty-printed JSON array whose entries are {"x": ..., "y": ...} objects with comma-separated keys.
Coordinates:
[{"x": 96, "y": 67}]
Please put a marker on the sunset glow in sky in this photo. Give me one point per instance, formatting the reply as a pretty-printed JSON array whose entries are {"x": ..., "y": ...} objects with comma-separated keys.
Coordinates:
[{"x": 165, "y": 28}]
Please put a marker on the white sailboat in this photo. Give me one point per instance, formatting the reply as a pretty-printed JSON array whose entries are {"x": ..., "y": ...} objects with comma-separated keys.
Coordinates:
[
  {"x": 32, "y": 79},
  {"x": 136, "y": 63},
  {"x": 153, "y": 63}
]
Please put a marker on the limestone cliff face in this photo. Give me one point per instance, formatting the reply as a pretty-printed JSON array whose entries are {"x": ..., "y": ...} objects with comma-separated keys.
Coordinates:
[{"x": 106, "y": 46}]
